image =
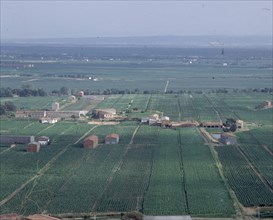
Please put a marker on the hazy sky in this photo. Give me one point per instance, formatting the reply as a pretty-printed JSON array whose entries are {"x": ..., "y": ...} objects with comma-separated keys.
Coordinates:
[{"x": 53, "y": 19}]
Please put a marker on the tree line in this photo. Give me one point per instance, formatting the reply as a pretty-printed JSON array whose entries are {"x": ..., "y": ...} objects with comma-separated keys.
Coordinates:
[{"x": 26, "y": 91}]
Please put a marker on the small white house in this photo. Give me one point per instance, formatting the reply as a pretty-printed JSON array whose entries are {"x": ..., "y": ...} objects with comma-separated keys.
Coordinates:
[{"x": 49, "y": 120}]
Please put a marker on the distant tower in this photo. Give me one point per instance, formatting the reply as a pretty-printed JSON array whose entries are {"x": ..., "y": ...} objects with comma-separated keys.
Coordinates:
[{"x": 223, "y": 51}]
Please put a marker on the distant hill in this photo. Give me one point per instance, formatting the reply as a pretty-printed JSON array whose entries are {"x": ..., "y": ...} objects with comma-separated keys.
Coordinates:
[{"x": 177, "y": 41}]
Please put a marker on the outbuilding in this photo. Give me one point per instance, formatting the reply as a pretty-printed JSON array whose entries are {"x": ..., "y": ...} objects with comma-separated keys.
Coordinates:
[
  {"x": 43, "y": 140},
  {"x": 33, "y": 147},
  {"x": 112, "y": 139},
  {"x": 227, "y": 139},
  {"x": 239, "y": 123},
  {"x": 91, "y": 141}
]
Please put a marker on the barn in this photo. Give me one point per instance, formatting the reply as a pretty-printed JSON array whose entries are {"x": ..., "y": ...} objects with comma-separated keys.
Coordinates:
[
  {"x": 33, "y": 147},
  {"x": 16, "y": 139},
  {"x": 91, "y": 141},
  {"x": 112, "y": 139}
]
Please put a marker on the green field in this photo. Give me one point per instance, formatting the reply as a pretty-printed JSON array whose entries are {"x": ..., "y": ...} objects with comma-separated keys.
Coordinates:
[
  {"x": 156, "y": 171},
  {"x": 153, "y": 170}
]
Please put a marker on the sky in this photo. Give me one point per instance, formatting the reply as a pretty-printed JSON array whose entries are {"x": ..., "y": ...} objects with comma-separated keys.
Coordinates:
[{"x": 22, "y": 19}]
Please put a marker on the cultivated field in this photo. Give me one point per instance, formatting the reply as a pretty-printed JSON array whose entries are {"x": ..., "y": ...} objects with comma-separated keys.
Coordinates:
[{"x": 153, "y": 170}]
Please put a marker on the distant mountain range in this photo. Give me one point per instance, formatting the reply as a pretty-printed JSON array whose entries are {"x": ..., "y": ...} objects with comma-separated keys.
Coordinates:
[{"x": 172, "y": 41}]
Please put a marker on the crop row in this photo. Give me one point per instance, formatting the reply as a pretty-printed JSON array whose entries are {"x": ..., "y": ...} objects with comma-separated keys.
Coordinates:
[{"x": 247, "y": 186}]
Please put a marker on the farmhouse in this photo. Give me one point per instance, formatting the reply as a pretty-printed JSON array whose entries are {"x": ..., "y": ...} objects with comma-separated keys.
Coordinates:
[
  {"x": 155, "y": 116},
  {"x": 41, "y": 217},
  {"x": 33, "y": 147},
  {"x": 91, "y": 141},
  {"x": 43, "y": 140},
  {"x": 65, "y": 114},
  {"x": 49, "y": 114},
  {"x": 239, "y": 123},
  {"x": 210, "y": 124},
  {"x": 49, "y": 120},
  {"x": 227, "y": 139},
  {"x": 55, "y": 106},
  {"x": 165, "y": 121},
  {"x": 105, "y": 113},
  {"x": 30, "y": 114},
  {"x": 112, "y": 139},
  {"x": 16, "y": 139}
]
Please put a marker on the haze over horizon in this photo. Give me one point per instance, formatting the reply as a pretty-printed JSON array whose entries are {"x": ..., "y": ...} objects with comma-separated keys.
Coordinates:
[{"x": 87, "y": 19}]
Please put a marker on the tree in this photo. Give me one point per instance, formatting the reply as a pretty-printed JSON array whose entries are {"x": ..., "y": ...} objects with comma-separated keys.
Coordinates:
[{"x": 64, "y": 90}]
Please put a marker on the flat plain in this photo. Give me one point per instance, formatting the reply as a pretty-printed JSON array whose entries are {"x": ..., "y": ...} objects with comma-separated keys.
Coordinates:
[{"x": 154, "y": 170}]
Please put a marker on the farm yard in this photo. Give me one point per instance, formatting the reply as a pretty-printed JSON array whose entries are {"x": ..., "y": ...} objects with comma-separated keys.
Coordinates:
[{"x": 154, "y": 169}]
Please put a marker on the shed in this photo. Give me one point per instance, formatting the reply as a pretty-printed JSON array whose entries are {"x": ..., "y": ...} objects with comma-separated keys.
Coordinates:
[
  {"x": 33, "y": 147},
  {"x": 112, "y": 139},
  {"x": 227, "y": 139},
  {"x": 91, "y": 141},
  {"x": 43, "y": 140},
  {"x": 144, "y": 120}
]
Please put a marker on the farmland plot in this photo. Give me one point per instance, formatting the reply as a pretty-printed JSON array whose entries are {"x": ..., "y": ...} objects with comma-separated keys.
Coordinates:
[
  {"x": 247, "y": 186},
  {"x": 34, "y": 102},
  {"x": 167, "y": 104},
  {"x": 166, "y": 193},
  {"x": 29, "y": 163},
  {"x": 259, "y": 156},
  {"x": 203, "y": 109},
  {"x": 127, "y": 189},
  {"x": 206, "y": 192}
]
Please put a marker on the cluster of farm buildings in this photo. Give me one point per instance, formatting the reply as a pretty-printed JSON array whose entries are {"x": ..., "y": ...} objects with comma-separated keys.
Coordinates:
[
  {"x": 53, "y": 115},
  {"x": 34, "y": 144}
]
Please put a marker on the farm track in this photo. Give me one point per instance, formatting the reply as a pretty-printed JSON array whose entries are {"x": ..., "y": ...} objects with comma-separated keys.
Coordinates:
[
  {"x": 115, "y": 169},
  {"x": 42, "y": 171},
  {"x": 219, "y": 166},
  {"x": 268, "y": 150},
  {"x": 148, "y": 103},
  {"x": 256, "y": 171},
  {"x": 46, "y": 129},
  {"x": 166, "y": 86},
  {"x": 11, "y": 146},
  {"x": 216, "y": 111}
]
